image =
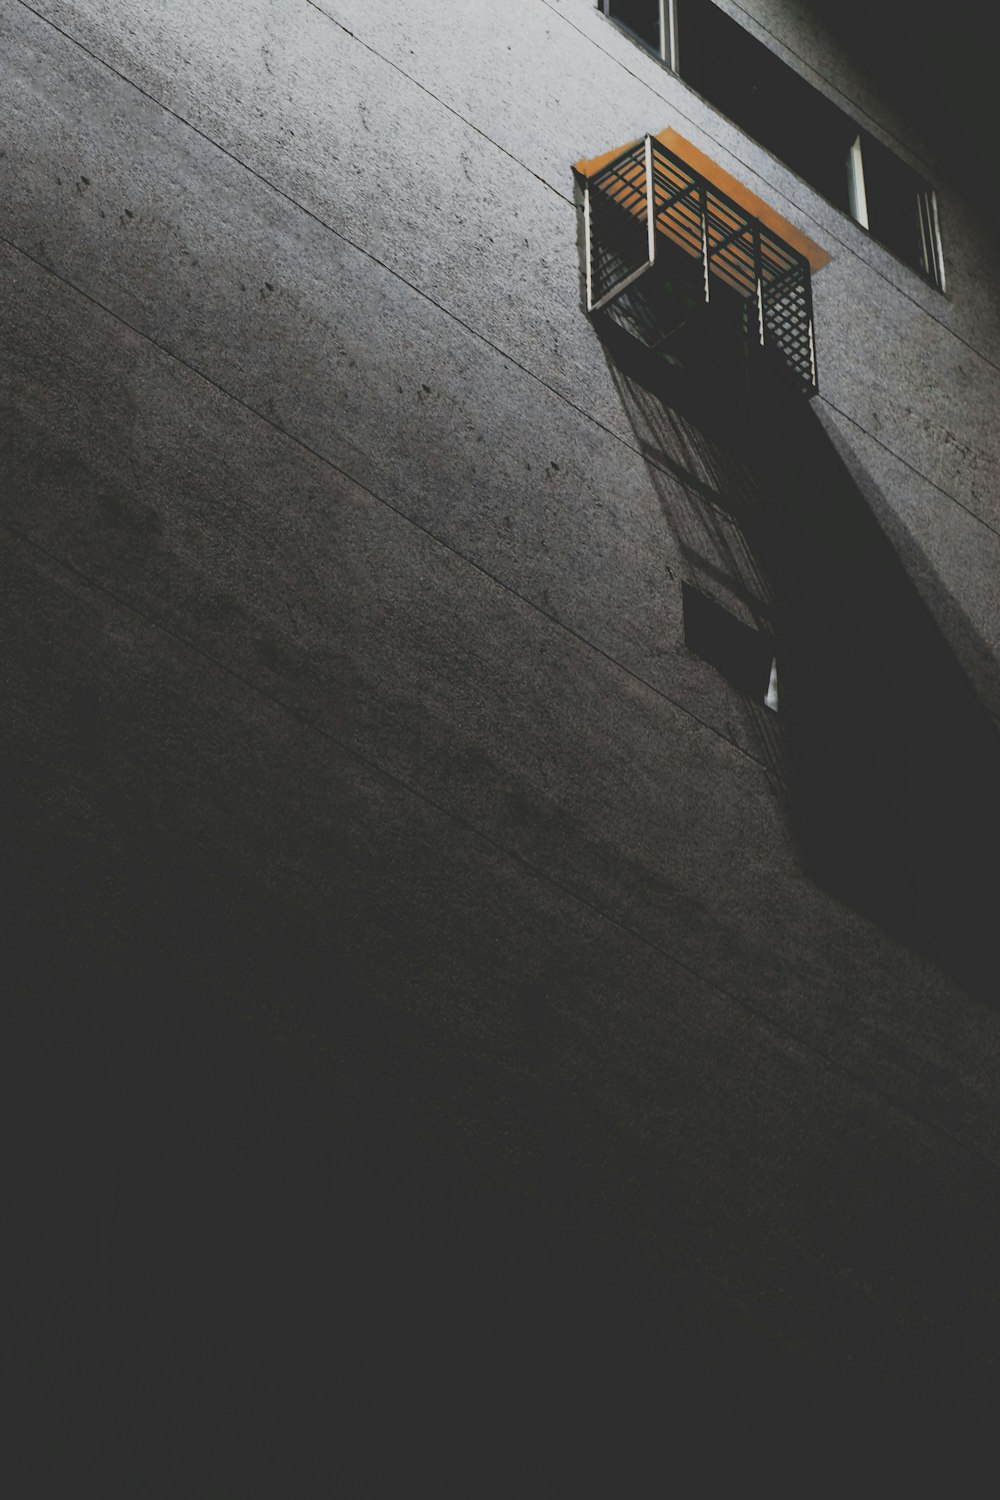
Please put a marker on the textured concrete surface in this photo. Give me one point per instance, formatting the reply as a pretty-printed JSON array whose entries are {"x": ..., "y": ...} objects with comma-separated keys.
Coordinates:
[
  {"x": 245, "y": 92},
  {"x": 440, "y": 1066}
]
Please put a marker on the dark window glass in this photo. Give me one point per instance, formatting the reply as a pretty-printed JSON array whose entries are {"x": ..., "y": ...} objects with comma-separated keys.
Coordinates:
[
  {"x": 766, "y": 98},
  {"x": 744, "y": 656},
  {"x": 893, "y": 192},
  {"x": 770, "y": 101},
  {"x": 642, "y": 17},
  {"x": 804, "y": 129}
]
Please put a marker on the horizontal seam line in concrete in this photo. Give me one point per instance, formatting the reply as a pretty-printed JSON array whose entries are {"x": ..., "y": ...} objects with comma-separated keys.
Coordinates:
[
  {"x": 446, "y": 311},
  {"x": 973, "y": 515},
  {"x": 438, "y": 100},
  {"x": 396, "y": 511},
  {"x": 823, "y": 229},
  {"x": 858, "y": 1080}
]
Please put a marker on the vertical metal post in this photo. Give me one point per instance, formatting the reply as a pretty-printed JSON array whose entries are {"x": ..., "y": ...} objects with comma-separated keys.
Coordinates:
[
  {"x": 587, "y": 248},
  {"x": 650, "y": 200},
  {"x": 759, "y": 278},
  {"x": 703, "y": 200}
]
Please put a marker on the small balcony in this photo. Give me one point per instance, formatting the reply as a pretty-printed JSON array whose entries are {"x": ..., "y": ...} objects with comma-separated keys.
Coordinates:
[{"x": 682, "y": 267}]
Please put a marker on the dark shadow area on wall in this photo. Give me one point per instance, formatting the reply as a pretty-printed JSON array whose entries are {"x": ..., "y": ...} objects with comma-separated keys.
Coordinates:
[
  {"x": 885, "y": 760},
  {"x": 278, "y": 1229}
]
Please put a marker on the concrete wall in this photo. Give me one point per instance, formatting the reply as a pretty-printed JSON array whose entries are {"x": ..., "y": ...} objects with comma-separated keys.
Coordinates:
[{"x": 444, "y": 1072}]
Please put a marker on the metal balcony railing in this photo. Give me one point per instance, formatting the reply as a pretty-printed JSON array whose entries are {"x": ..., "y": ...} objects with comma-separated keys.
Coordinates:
[{"x": 695, "y": 277}]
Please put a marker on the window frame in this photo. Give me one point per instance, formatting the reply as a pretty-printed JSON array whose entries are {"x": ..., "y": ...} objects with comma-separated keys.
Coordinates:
[{"x": 928, "y": 257}]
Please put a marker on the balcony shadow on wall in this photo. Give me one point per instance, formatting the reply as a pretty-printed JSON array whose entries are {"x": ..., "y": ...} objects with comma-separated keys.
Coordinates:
[{"x": 885, "y": 760}]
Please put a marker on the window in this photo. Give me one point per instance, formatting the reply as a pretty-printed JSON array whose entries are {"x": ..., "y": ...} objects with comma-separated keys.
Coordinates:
[
  {"x": 804, "y": 129},
  {"x": 651, "y": 22},
  {"x": 642, "y": 18},
  {"x": 744, "y": 656}
]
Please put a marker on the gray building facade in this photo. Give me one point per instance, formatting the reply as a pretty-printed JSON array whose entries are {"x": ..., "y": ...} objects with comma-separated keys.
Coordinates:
[{"x": 466, "y": 1041}]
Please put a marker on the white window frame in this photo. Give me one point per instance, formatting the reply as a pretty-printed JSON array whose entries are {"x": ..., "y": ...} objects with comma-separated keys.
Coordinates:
[
  {"x": 930, "y": 236},
  {"x": 668, "y": 30},
  {"x": 856, "y": 183},
  {"x": 931, "y": 250},
  {"x": 616, "y": 290}
]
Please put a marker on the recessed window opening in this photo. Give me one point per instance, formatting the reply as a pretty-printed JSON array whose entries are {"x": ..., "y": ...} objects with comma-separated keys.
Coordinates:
[
  {"x": 808, "y": 132},
  {"x": 651, "y": 22},
  {"x": 642, "y": 18},
  {"x": 743, "y": 655}
]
